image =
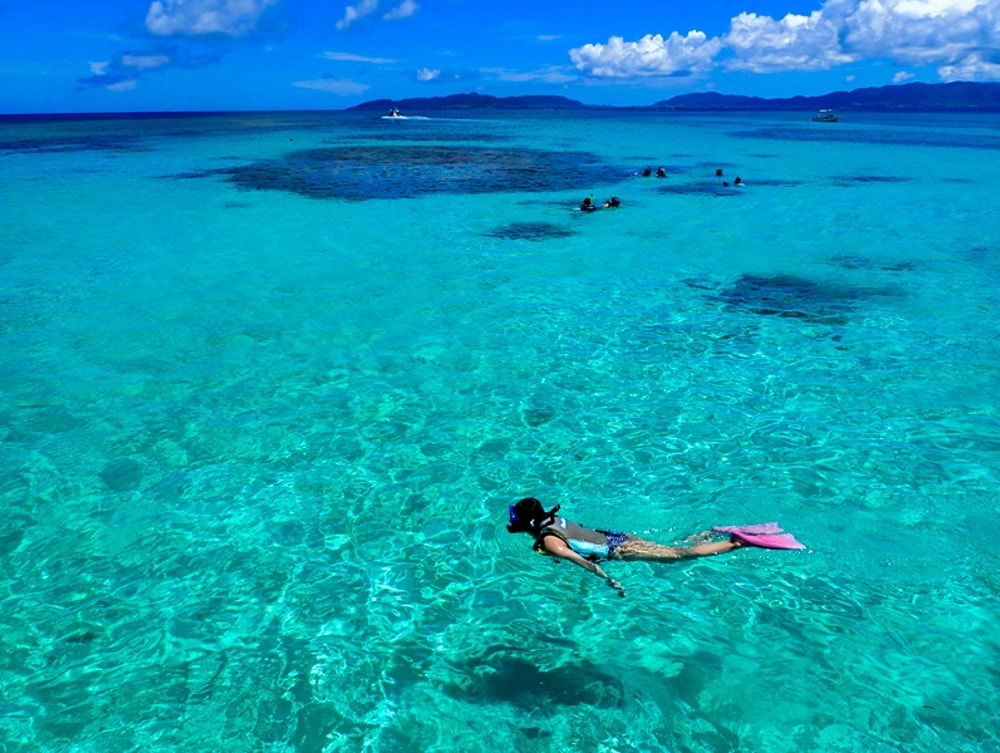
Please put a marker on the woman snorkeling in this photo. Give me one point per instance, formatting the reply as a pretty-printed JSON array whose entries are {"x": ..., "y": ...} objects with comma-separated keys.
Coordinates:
[{"x": 558, "y": 537}]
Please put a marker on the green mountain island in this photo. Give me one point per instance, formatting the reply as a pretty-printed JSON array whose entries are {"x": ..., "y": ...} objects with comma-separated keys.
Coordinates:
[
  {"x": 959, "y": 95},
  {"x": 473, "y": 101}
]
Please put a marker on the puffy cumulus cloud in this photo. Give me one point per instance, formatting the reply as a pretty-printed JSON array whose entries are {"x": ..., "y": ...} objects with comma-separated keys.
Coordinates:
[
  {"x": 353, "y": 12},
  {"x": 802, "y": 43},
  {"x": 404, "y": 10},
  {"x": 960, "y": 37},
  {"x": 233, "y": 18},
  {"x": 341, "y": 87},
  {"x": 902, "y": 76},
  {"x": 922, "y": 32},
  {"x": 650, "y": 56},
  {"x": 427, "y": 74}
]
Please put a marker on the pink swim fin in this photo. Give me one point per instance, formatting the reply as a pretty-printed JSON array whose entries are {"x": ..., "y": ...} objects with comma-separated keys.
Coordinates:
[
  {"x": 754, "y": 530},
  {"x": 763, "y": 535}
]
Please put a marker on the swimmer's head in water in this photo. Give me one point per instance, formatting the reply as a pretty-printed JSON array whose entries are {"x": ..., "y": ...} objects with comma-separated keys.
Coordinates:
[{"x": 528, "y": 515}]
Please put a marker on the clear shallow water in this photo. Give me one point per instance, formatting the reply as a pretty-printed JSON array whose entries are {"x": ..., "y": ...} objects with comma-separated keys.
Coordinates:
[{"x": 258, "y": 446}]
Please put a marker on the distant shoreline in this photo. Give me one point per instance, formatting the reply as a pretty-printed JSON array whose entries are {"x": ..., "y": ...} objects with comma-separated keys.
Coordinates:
[{"x": 956, "y": 97}]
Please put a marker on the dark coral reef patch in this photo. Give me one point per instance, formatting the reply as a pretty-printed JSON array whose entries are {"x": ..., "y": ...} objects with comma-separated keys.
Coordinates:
[
  {"x": 849, "y": 179},
  {"x": 529, "y": 231},
  {"x": 793, "y": 297},
  {"x": 700, "y": 189},
  {"x": 921, "y": 137},
  {"x": 67, "y": 144},
  {"x": 854, "y": 261},
  {"x": 358, "y": 173}
]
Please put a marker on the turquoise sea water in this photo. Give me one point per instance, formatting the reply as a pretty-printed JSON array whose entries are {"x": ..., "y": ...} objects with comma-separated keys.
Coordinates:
[{"x": 269, "y": 382}]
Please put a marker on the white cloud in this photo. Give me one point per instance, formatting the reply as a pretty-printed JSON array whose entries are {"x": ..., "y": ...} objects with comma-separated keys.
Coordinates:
[
  {"x": 801, "y": 43},
  {"x": 550, "y": 75},
  {"x": 427, "y": 74},
  {"x": 971, "y": 68},
  {"x": 960, "y": 37},
  {"x": 232, "y": 18},
  {"x": 99, "y": 68},
  {"x": 922, "y": 32},
  {"x": 353, "y": 12},
  {"x": 351, "y": 58},
  {"x": 404, "y": 10},
  {"x": 121, "y": 86},
  {"x": 366, "y": 7},
  {"x": 650, "y": 56},
  {"x": 342, "y": 87},
  {"x": 144, "y": 62},
  {"x": 548, "y": 37},
  {"x": 902, "y": 76}
]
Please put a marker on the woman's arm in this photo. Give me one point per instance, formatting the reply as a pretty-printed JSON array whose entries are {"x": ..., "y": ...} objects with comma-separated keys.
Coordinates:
[{"x": 559, "y": 548}]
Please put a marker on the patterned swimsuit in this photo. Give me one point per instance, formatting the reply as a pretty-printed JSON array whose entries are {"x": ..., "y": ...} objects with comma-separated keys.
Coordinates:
[{"x": 589, "y": 544}]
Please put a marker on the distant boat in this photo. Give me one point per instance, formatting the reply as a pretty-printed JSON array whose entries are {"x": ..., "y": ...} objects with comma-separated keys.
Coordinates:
[
  {"x": 826, "y": 116},
  {"x": 394, "y": 113}
]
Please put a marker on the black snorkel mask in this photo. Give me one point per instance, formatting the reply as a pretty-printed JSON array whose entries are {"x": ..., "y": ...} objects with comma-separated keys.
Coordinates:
[
  {"x": 528, "y": 516},
  {"x": 514, "y": 526}
]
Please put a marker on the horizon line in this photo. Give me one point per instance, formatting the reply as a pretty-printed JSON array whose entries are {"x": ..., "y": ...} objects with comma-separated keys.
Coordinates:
[{"x": 765, "y": 103}]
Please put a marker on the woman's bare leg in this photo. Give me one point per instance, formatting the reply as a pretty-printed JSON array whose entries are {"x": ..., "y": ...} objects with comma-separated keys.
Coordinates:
[
  {"x": 703, "y": 537},
  {"x": 640, "y": 549}
]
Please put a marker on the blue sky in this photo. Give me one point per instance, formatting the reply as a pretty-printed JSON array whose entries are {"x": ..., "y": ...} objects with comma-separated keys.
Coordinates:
[{"x": 161, "y": 55}]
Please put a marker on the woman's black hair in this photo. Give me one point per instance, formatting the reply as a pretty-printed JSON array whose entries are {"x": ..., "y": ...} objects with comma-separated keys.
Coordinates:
[{"x": 529, "y": 516}]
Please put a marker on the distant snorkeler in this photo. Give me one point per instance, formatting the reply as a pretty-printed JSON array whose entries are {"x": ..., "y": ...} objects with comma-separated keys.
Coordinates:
[{"x": 557, "y": 537}]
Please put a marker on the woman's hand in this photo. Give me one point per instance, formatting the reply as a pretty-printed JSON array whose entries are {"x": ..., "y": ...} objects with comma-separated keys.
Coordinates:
[
  {"x": 617, "y": 586},
  {"x": 558, "y": 547}
]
